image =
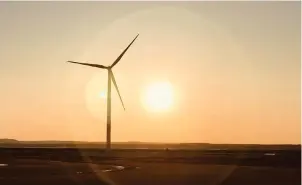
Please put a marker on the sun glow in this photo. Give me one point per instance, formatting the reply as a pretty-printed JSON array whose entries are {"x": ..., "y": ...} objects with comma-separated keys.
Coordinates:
[
  {"x": 159, "y": 96},
  {"x": 103, "y": 95}
]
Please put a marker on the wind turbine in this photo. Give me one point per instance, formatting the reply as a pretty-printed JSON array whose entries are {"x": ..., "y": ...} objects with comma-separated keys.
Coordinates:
[{"x": 110, "y": 78}]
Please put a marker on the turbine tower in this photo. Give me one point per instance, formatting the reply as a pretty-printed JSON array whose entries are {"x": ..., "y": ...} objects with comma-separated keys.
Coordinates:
[{"x": 110, "y": 78}]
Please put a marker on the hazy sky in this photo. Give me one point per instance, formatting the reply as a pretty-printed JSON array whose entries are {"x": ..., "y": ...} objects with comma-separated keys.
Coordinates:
[{"x": 234, "y": 68}]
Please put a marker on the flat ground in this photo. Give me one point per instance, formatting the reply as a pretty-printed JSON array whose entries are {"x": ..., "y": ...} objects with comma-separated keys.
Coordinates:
[{"x": 148, "y": 167}]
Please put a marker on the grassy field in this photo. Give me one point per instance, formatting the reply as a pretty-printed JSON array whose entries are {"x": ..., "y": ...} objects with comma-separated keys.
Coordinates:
[{"x": 214, "y": 165}]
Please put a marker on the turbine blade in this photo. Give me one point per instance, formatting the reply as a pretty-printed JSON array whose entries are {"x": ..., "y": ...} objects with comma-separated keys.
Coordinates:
[
  {"x": 121, "y": 55},
  {"x": 87, "y": 64},
  {"x": 116, "y": 87}
]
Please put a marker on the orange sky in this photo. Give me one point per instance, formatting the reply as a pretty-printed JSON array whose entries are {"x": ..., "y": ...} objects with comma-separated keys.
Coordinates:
[{"x": 234, "y": 68}]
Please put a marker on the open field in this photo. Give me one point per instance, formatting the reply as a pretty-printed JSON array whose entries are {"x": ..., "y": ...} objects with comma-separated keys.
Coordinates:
[{"x": 130, "y": 167}]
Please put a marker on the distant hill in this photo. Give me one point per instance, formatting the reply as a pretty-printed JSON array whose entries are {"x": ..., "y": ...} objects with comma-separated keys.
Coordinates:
[
  {"x": 142, "y": 145},
  {"x": 8, "y": 141}
]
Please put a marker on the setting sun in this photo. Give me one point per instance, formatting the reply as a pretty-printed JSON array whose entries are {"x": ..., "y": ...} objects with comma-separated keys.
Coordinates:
[{"x": 159, "y": 96}]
